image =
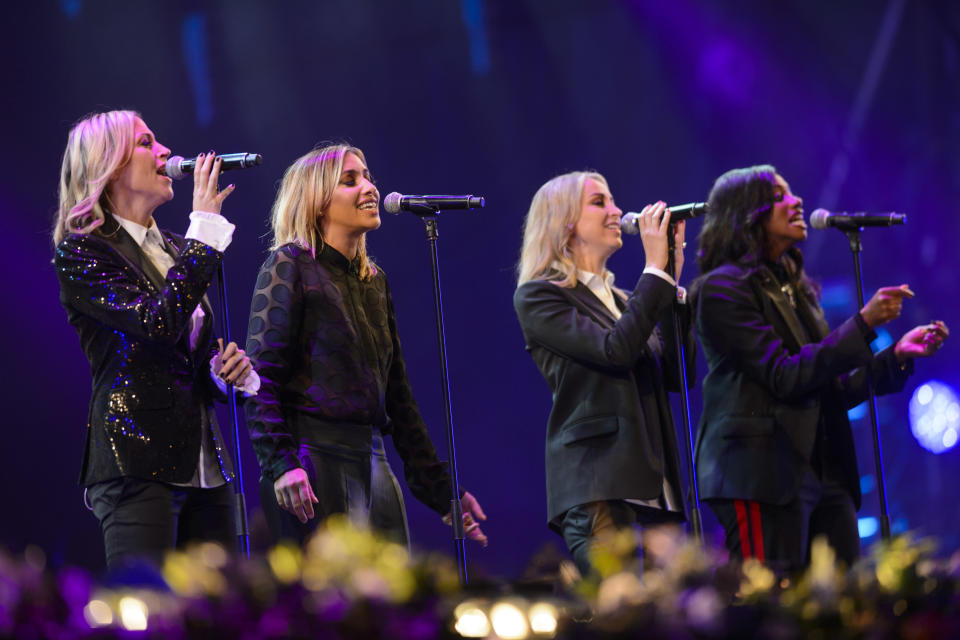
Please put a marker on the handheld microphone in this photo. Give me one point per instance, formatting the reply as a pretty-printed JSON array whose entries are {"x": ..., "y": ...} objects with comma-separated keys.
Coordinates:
[
  {"x": 395, "y": 203},
  {"x": 178, "y": 167},
  {"x": 821, "y": 219},
  {"x": 629, "y": 222}
]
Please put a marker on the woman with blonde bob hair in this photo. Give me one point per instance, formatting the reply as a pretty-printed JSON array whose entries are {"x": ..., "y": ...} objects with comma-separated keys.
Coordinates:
[
  {"x": 155, "y": 467},
  {"x": 323, "y": 337},
  {"x": 611, "y": 446}
]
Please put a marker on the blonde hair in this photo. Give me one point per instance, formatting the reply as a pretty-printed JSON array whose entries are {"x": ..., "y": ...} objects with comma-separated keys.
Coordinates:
[
  {"x": 548, "y": 229},
  {"x": 305, "y": 192},
  {"x": 98, "y": 146}
]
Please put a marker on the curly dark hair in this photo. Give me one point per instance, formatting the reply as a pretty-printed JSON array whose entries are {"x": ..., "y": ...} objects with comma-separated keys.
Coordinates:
[{"x": 732, "y": 233}]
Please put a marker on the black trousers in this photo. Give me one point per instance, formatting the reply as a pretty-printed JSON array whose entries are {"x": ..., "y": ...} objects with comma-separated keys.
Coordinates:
[
  {"x": 586, "y": 524},
  {"x": 143, "y": 519},
  {"x": 780, "y": 535},
  {"x": 352, "y": 477}
]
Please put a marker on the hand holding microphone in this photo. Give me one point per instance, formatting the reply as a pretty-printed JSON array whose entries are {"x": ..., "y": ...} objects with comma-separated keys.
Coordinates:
[
  {"x": 207, "y": 195},
  {"x": 653, "y": 225},
  {"x": 178, "y": 167},
  {"x": 206, "y": 169}
]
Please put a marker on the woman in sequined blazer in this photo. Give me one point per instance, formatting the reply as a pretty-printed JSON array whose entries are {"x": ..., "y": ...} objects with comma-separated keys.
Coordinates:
[
  {"x": 323, "y": 338},
  {"x": 154, "y": 463}
]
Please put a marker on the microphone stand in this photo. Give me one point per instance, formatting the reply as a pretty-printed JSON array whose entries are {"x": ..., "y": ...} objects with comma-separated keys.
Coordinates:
[
  {"x": 240, "y": 503},
  {"x": 696, "y": 521},
  {"x": 429, "y": 216},
  {"x": 853, "y": 235}
]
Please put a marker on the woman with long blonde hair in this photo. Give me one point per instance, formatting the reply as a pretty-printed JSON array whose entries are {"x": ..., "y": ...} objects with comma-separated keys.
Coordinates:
[
  {"x": 611, "y": 447},
  {"x": 155, "y": 468},
  {"x": 323, "y": 337}
]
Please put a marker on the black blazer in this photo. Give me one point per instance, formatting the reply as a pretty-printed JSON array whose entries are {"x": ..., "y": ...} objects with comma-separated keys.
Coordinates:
[
  {"x": 610, "y": 434},
  {"x": 151, "y": 393},
  {"x": 768, "y": 384}
]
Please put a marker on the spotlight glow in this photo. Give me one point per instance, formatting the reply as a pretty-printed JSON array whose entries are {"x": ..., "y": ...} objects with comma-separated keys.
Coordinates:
[
  {"x": 935, "y": 416},
  {"x": 543, "y": 619},
  {"x": 98, "y": 614},
  {"x": 509, "y": 622},
  {"x": 133, "y": 613},
  {"x": 471, "y": 620}
]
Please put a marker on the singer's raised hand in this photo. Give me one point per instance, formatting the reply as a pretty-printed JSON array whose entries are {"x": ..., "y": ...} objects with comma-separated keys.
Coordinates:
[
  {"x": 922, "y": 341},
  {"x": 207, "y": 195},
  {"x": 885, "y": 305},
  {"x": 653, "y": 223}
]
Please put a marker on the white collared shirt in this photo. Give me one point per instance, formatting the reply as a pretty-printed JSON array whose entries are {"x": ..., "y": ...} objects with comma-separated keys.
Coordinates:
[{"x": 602, "y": 286}]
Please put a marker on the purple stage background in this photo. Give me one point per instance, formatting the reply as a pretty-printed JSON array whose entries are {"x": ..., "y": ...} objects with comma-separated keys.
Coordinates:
[{"x": 856, "y": 103}]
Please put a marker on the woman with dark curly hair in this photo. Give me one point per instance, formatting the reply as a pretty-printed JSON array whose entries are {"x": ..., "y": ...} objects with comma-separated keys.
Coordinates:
[{"x": 775, "y": 456}]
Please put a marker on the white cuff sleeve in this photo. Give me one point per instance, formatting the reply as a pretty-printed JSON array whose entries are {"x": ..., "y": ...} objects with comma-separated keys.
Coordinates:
[
  {"x": 249, "y": 387},
  {"x": 661, "y": 273},
  {"x": 210, "y": 229}
]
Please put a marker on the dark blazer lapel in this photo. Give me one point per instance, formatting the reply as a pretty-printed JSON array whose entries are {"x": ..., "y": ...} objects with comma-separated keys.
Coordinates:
[
  {"x": 592, "y": 305},
  {"x": 816, "y": 316},
  {"x": 127, "y": 247},
  {"x": 784, "y": 308}
]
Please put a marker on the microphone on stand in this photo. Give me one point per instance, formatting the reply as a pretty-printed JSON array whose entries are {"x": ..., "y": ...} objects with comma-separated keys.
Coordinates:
[
  {"x": 629, "y": 222},
  {"x": 821, "y": 219},
  {"x": 178, "y": 167},
  {"x": 395, "y": 203}
]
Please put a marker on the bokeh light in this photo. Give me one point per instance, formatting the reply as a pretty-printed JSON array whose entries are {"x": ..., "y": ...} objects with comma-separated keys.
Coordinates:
[
  {"x": 471, "y": 621},
  {"x": 97, "y": 613},
  {"x": 133, "y": 613},
  {"x": 935, "y": 416},
  {"x": 509, "y": 621},
  {"x": 543, "y": 619}
]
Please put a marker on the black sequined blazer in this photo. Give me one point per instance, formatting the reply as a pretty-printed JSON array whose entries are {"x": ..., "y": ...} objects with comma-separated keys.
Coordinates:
[
  {"x": 326, "y": 347},
  {"x": 152, "y": 395}
]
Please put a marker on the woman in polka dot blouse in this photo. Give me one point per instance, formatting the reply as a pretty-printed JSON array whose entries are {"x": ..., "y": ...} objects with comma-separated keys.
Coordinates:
[{"x": 323, "y": 338}]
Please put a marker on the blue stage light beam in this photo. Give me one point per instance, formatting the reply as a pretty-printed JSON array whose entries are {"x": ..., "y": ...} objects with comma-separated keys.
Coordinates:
[
  {"x": 474, "y": 20},
  {"x": 193, "y": 35}
]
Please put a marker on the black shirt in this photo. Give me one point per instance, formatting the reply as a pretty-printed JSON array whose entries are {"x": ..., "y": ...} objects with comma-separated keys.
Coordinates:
[{"x": 325, "y": 344}]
